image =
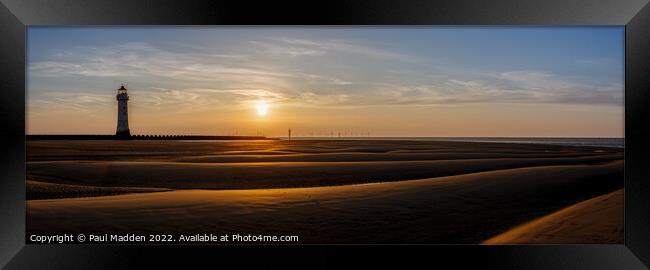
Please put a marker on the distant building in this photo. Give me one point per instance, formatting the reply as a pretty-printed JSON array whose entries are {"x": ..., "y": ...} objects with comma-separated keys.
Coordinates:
[{"x": 122, "y": 114}]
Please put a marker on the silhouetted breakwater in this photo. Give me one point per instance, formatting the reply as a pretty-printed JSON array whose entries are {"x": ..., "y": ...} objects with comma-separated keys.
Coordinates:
[{"x": 144, "y": 137}]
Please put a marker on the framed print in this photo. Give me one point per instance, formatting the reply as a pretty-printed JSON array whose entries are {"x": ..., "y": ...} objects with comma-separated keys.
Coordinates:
[{"x": 142, "y": 133}]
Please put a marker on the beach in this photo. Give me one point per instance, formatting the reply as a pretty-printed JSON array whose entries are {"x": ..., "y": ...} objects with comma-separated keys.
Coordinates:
[
  {"x": 327, "y": 191},
  {"x": 597, "y": 220}
]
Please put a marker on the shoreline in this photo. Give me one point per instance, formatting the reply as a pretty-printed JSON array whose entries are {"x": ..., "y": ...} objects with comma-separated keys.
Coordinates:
[{"x": 84, "y": 137}]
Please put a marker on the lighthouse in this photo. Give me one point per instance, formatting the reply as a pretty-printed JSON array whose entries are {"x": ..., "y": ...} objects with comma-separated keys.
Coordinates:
[{"x": 122, "y": 131}]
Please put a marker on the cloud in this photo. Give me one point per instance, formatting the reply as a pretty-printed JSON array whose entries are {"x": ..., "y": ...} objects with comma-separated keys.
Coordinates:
[
  {"x": 542, "y": 87},
  {"x": 473, "y": 84},
  {"x": 283, "y": 49},
  {"x": 203, "y": 79},
  {"x": 59, "y": 101},
  {"x": 143, "y": 60},
  {"x": 303, "y": 47},
  {"x": 326, "y": 79},
  {"x": 525, "y": 87}
]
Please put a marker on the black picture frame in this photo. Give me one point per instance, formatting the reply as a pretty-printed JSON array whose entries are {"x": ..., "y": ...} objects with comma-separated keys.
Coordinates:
[{"x": 15, "y": 15}]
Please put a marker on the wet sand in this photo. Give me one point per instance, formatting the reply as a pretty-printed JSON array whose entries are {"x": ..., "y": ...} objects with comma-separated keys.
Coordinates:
[
  {"x": 323, "y": 191},
  {"x": 242, "y": 165}
]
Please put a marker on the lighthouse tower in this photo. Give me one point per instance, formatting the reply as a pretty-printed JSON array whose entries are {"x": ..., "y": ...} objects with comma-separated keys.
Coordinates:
[{"x": 122, "y": 131}]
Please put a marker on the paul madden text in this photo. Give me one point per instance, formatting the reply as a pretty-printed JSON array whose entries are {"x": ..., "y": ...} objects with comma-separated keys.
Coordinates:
[{"x": 160, "y": 238}]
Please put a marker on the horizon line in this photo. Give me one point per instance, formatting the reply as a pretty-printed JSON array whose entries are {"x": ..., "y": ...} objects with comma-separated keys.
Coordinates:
[{"x": 401, "y": 136}]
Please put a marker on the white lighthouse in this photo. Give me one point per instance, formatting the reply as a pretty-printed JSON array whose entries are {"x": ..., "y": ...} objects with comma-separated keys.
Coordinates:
[{"x": 122, "y": 114}]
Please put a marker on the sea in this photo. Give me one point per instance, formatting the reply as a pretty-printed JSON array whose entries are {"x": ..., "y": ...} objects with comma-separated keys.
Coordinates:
[{"x": 598, "y": 142}]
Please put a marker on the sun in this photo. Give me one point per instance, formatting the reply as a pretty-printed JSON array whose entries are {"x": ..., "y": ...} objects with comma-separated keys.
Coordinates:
[{"x": 262, "y": 108}]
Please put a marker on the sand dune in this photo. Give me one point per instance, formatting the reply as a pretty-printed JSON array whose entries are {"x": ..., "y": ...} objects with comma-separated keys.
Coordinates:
[
  {"x": 466, "y": 208},
  {"x": 360, "y": 156},
  {"x": 40, "y": 190},
  {"x": 184, "y": 175},
  {"x": 598, "y": 221},
  {"x": 466, "y": 192}
]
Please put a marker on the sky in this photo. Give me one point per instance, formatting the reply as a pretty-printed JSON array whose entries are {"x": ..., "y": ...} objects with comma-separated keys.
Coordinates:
[{"x": 319, "y": 81}]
